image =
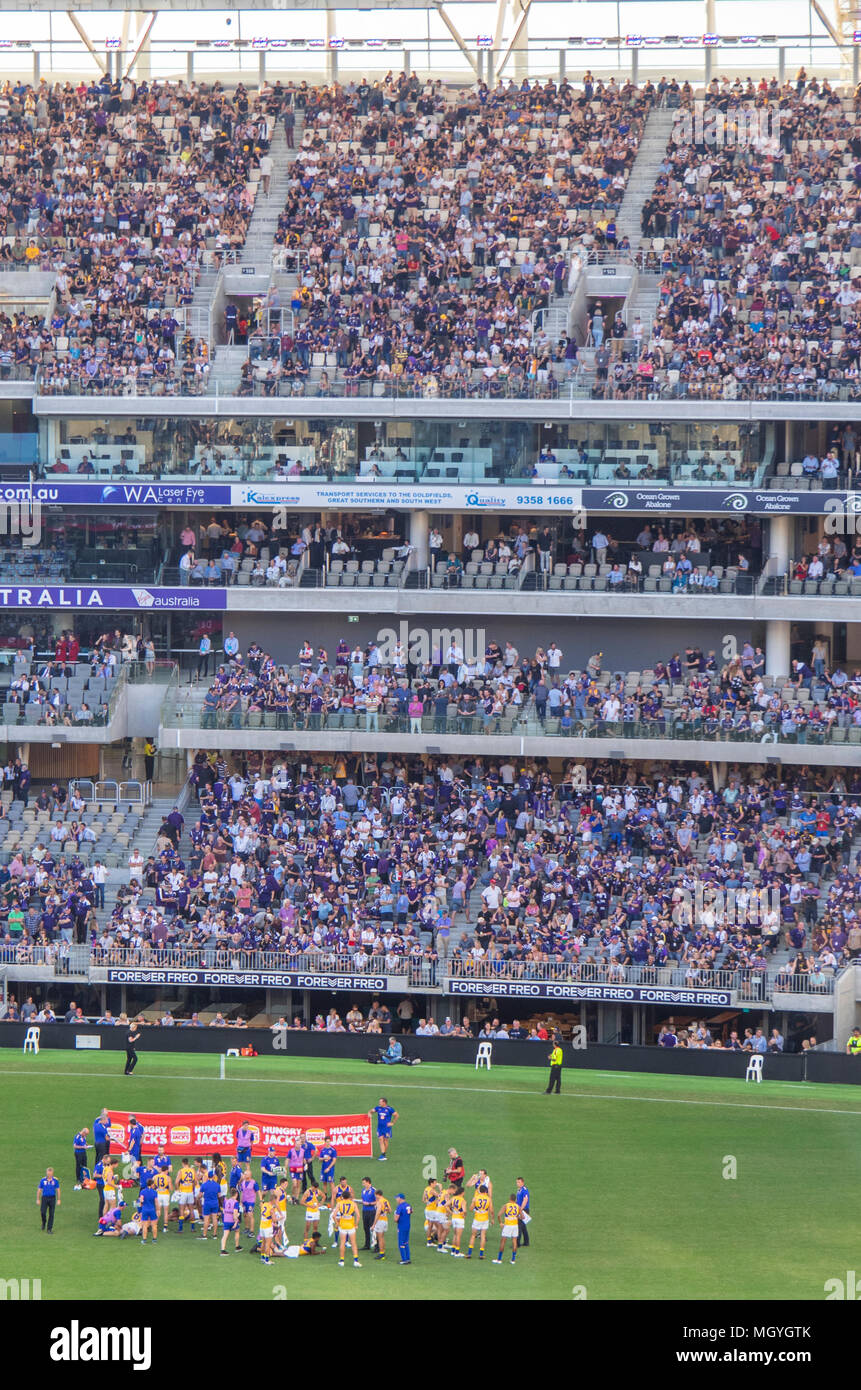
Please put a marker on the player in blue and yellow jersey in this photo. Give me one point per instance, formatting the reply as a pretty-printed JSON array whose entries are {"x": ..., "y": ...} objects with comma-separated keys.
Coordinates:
[
  {"x": 429, "y": 1197},
  {"x": 482, "y": 1215},
  {"x": 162, "y": 1184},
  {"x": 281, "y": 1197},
  {"x": 312, "y": 1200},
  {"x": 342, "y": 1192},
  {"x": 443, "y": 1220},
  {"x": 185, "y": 1190},
  {"x": 147, "y": 1212},
  {"x": 218, "y": 1169},
  {"x": 387, "y": 1116},
  {"x": 268, "y": 1210},
  {"x": 328, "y": 1158},
  {"x": 347, "y": 1220},
  {"x": 508, "y": 1219},
  {"x": 381, "y": 1223},
  {"x": 457, "y": 1207},
  {"x": 111, "y": 1181}
]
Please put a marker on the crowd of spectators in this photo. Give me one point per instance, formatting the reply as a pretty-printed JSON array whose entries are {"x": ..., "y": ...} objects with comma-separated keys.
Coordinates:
[
  {"x": 381, "y": 688},
  {"x": 591, "y": 880},
  {"x": 755, "y": 224},
  {"x": 832, "y": 559},
  {"x": 120, "y": 189},
  {"x": 428, "y": 225}
]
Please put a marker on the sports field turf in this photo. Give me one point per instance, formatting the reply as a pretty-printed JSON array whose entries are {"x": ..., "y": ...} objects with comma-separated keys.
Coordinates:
[{"x": 625, "y": 1170}]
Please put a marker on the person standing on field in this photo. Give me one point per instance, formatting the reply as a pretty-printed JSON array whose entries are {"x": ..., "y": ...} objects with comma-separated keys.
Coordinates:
[
  {"x": 132, "y": 1041},
  {"x": 554, "y": 1081},
  {"x": 48, "y": 1199}
]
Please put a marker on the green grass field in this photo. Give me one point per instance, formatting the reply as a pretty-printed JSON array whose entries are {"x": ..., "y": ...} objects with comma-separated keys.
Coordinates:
[{"x": 626, "y": 1174}]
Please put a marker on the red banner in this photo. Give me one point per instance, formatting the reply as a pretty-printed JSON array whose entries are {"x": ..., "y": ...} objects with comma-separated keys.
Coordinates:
[{"x": 195, "y": 1135}]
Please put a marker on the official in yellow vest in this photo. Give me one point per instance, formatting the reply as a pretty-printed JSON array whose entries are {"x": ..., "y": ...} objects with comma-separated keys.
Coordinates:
[{"x": 554, "y": 1081}]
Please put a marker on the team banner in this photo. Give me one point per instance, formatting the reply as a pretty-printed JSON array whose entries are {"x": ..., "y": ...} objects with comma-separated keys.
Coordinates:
[
  {"x": 245, "y": 979},
  {"x": 616, "y": 994},
  {"x": 195, "y": 1135}
]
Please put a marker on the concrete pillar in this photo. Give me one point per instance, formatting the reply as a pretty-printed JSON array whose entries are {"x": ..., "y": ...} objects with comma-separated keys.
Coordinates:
[
  {"x": 781, "y": 65},
  {"x": 856, "y": 65},
  {"x": 490, "y": 62},
  {"x": 189, "y": 67},
  {"x": 520, "y": 54},
  {"x": 407, "y": 61},
  {"x": 261, "y": 67},
  {"x": 777, "y": 647},
  {"x": 331, "y": 53},
  {"x": 710, "y": 29},
  {"x": 36, "y": 68},
  {"x": 780, "y": 541},
  {"x": 49, "y": 440},
  {"x": 419, "y": 532},
  {"x": 457, "y": 532},
  {"x": 143, "y": 67},
  {"x": 563, "y": 58},
  {"x": 635, "y": 64}
]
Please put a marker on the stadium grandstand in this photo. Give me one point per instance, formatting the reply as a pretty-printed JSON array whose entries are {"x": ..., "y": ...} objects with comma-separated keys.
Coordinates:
[{"x": 431, "y": 564}]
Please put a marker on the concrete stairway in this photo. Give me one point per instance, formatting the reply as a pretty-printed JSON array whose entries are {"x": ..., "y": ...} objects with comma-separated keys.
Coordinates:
[
  {"x": 641, "y": 182},
  {"x": 257, "y": 251}
]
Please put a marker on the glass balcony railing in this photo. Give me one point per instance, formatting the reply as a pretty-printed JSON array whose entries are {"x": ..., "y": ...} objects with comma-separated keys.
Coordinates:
[{"x": 187, "y": 711}]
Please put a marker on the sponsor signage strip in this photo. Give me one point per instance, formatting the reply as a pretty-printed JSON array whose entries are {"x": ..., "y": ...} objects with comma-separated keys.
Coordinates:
[
  {"x": 215, "y": 1132},
  {"x": 110, "y": 596},
  {"x": 246, "y": 979},
  {"x": 548, "y": 497},
  {"x": 617, "y": 994},
  {"x": 558, "y": 496}
]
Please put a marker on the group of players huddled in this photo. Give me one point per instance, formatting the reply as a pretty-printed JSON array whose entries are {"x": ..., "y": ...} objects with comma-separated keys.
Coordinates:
[{"x": 205, "y": 1191}]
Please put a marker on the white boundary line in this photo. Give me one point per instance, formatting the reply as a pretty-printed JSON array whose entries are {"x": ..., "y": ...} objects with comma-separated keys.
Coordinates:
[{"x": 472, "y": 1090}]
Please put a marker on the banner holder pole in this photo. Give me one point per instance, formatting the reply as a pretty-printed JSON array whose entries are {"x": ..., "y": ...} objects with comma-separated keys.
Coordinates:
[{"x": 222, "y": 1060}]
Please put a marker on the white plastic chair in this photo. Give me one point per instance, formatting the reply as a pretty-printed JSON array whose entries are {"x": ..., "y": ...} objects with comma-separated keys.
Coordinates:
[
  {"x": 482, "y": 1057},
  {"x": 31, "y": 1042},
  {"x": 754, "y": 1069}
]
